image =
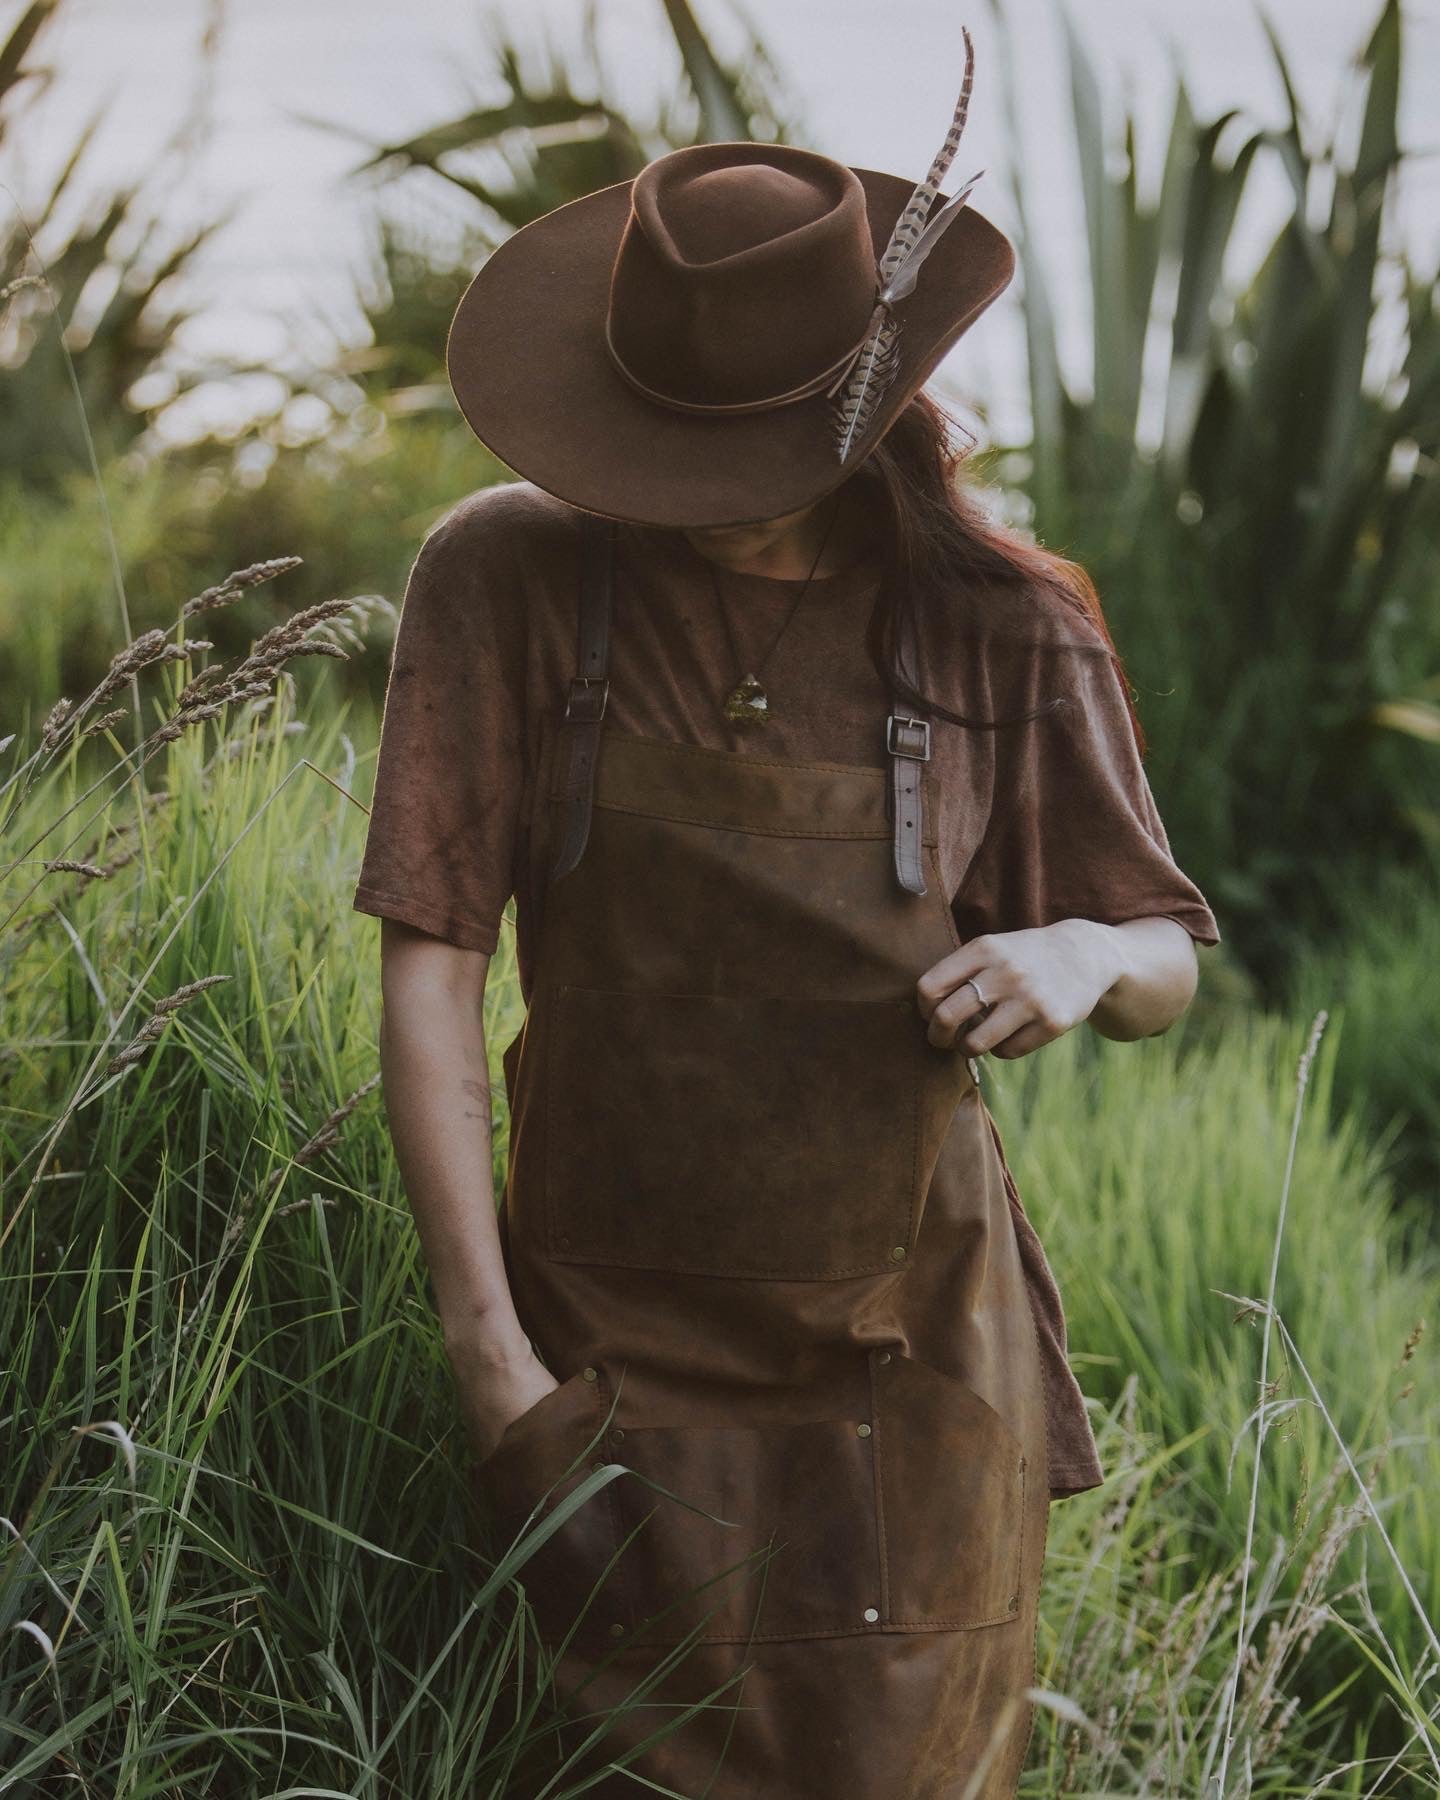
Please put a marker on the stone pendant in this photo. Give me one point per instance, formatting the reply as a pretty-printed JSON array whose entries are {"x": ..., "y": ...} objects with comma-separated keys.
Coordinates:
[{"x": 747, "y": 703}]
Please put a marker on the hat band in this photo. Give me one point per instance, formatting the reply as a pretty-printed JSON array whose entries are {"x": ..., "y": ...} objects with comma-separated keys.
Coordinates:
[{"x": 814, "y": 385}]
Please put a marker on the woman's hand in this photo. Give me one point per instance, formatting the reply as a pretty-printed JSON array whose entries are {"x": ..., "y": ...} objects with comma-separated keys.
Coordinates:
[
  {"x": 1037, "y": 985},
  {"x": 1131, "y": 980},
  {"x": 494, "y": 1387}
]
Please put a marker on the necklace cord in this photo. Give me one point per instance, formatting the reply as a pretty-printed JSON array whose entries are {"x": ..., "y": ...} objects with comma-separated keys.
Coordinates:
[{"x": 794, "y": 605}]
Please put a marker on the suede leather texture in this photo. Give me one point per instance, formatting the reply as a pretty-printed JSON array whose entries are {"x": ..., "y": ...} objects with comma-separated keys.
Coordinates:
[
  {"x": 1032, "y": 822},
  {"x": 758, "y": 1227},
  {"x": 723, "y": 272}
]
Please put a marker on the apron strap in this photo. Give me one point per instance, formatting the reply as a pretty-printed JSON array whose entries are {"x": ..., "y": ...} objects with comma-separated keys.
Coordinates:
[
  {"x": 908, "y": 741},
  {"x": 907, "y": 738},
  {"x": 589, "y": 688}
]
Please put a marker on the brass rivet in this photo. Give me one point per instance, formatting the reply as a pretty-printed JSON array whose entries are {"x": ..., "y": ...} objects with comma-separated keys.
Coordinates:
[
  {"x": 590, "y": 1374},
  {"x": 1014, "y": 1599},
  {"x": 617, "y": 1631},
  {"x": 871, "y": 1615},
  {"x": 862, "y": 1431},
  {"x": 618, "y": 1433},
  {"x": 898, "y": 1253},
  {"x": 599, "y": 1463},
  {"x": 884, "y": 1356}
]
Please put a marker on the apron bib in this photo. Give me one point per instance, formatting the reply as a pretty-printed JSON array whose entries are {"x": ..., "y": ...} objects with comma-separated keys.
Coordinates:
[{"x": 760, "y": 1230}]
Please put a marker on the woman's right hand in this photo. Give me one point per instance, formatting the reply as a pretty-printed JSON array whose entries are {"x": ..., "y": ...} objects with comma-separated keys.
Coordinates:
[{"x": 494, "y": 1387}]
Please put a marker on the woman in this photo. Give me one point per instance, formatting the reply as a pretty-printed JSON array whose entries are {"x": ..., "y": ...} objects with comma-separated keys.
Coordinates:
[{"x": 813, "y": 789}]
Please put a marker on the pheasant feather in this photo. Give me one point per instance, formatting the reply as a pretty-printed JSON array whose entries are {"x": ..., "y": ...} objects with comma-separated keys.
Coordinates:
[
  {"x": 870, "y": 375},
  {"x": 866, "y": 379}
]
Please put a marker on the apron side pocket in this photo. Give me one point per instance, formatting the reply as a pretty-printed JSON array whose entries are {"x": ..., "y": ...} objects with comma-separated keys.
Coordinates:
[
  {"x": 952, "y": 1488},
  {"x": 530, "y": 1471},
  {"x": 798, "y": 1556}
]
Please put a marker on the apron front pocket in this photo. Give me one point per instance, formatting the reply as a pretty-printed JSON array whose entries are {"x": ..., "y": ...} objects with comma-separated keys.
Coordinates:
[
  {"x": 952, "y": 1499},
  {"x": 734, "y": 1135},
  {"x": 529, "y": 1465},
  {"x": 798, "y": 1555}
]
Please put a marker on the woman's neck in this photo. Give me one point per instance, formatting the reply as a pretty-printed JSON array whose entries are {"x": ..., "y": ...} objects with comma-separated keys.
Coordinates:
[{"x": 784, "y": 548}]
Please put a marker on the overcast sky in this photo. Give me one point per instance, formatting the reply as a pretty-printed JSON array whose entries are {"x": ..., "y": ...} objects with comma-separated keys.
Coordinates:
[{"x": 874, "y": 79}]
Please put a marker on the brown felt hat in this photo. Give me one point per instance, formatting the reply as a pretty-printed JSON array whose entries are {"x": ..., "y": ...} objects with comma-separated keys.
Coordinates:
[{"x": 724, "y": 338}]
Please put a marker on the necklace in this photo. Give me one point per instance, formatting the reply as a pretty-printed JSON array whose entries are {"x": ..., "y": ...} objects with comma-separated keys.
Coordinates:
[{"x": 747, "y": 703}]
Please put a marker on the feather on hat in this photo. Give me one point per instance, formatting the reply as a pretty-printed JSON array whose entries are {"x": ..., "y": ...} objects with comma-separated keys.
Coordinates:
[{"x": 724, "y": 338}]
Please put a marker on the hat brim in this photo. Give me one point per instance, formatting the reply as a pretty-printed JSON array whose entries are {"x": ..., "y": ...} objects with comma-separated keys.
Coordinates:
[{"x": 527, "y": 363}]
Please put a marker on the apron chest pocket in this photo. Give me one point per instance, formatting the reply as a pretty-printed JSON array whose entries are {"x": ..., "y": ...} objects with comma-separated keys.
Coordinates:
[{"x": 732, "y": 1135}]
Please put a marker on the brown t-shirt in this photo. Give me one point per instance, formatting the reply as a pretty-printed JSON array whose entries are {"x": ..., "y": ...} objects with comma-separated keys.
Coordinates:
[{"x": 1042, "y": 820}]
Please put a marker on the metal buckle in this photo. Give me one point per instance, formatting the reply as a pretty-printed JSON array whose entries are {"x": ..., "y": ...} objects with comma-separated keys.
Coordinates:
[
  {"x": 902, "y": 722},
  {"x": 583, "y": 703}
]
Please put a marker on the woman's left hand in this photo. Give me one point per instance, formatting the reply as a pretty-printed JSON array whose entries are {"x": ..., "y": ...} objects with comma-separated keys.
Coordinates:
[{"x": 1037, "y": 985}]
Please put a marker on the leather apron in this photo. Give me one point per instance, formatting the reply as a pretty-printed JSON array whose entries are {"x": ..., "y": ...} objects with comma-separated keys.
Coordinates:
[{"x": 760, "y": 1230}]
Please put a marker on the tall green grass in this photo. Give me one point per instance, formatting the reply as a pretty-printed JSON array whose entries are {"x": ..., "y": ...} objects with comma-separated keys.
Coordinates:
[
  {"x": 1155, "y": 1171},
  {"x": 240, "y": 1554}
]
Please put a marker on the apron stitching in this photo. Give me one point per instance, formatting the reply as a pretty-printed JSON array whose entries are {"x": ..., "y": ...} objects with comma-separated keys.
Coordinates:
[
  {"x": 1024, "y": 1470},
  {"x": 649, "y": 993},
  {"x": 740, "y": 759},
  {"x": 914, "y": 1164},
  {"x": 887, "y": 1267},
  {"x": 1012, "y": 1196},
  {"x": 674, "y": 818},
  {"x": 945, "y": 905},
  {"x": 877, "y": 1453}
]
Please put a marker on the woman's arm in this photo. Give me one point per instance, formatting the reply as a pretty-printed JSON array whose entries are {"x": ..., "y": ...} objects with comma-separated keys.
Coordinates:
[
  {"x": 1130, "y": 981},
  {"x": 436, "y": 1079}
]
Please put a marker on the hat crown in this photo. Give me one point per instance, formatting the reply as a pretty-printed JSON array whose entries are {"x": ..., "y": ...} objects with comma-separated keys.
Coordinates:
[
  {"x": 744, "y": 271},
  {"x": 720, "y": 212}
]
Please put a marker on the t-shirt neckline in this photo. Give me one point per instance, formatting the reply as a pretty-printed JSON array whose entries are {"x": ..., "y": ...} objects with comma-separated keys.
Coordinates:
[{"x": 860, "y": 571}]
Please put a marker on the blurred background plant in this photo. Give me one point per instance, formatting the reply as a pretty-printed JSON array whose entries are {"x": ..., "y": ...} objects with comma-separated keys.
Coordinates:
[{"x": 1251, "y": 479}]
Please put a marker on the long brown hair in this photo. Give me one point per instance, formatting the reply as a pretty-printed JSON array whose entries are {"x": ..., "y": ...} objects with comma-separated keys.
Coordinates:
[{"x": 940, "y": 539}]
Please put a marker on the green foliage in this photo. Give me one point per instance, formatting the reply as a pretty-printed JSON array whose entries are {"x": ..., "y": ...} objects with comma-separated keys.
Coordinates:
[
  {"x": 1256, "y": 502},
  {"x": 361, "y": 512},
  {"x": 243, "y": 1548},
  {"x": 103, "y": 285},
  {"x": 1152, "y": 1252},
  {"x": 1388, "y": 1055},
  {"x": 559, "y": 132},
  {"x": 240, "y": 1554}
]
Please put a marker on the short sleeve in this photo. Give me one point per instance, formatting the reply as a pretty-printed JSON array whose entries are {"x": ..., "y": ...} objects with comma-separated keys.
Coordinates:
[
  {"x": 1074, "y": 831},
  {"x": 441, "y": 844}
]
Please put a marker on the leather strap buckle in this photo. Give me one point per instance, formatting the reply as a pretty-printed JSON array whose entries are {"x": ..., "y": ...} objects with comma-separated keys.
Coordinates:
[
  {"x": 588, "y": 695},
  {"x": 905, "y": 736}
]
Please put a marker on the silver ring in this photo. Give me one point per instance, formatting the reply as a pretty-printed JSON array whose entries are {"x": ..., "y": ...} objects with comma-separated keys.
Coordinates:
[{"x": 971, "y": 982}]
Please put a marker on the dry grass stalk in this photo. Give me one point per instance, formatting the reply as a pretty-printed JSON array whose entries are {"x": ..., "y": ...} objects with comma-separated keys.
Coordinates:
[
  {"x": 104, "y": 722},
  {"x": 323, "y": 1138},
  {"x": 20, "y": 281},
  {"x": 53, "y": 727},
  {"x": 149, "y": 648},
  {"x": 67, "y": 865},
  {"x": 239, "y": 582},
  {"x": 209, "y": 693},
  {"x": 158, "y": 1020},
  {"x": 306, "y": 1205}
]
